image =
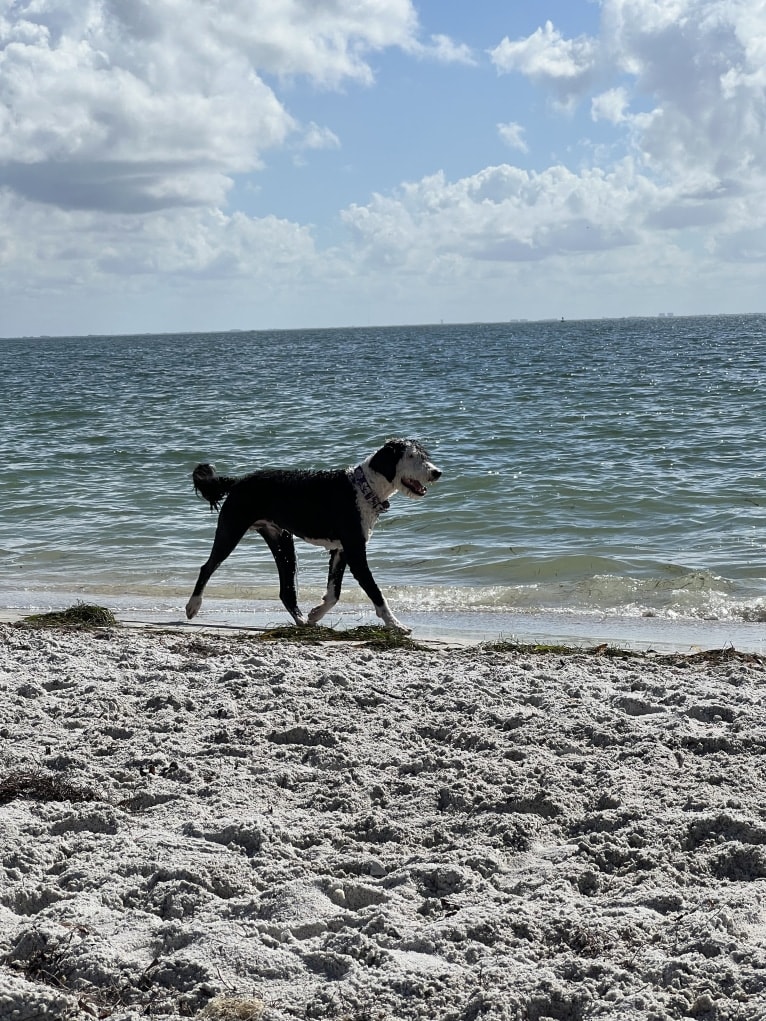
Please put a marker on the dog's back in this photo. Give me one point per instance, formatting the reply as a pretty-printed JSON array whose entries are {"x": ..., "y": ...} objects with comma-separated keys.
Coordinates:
[{"x": 314, "y": 505}]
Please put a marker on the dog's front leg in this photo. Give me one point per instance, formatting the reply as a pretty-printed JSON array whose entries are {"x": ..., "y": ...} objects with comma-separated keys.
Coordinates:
[
  {"x": 334, "y": 582},
  {"x": 357, "y": 561}
]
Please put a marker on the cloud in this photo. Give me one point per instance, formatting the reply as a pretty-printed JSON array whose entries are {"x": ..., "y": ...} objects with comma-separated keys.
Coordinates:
[
  {"x": 513, "y": 135},
  {"x": 610, "y": 106},
  {"x": 688, "y": 91},
  {"x": 182, "y": 244},
  {"x": 746, "y": 246},
  {"x": 702, "y": 71},
  {"x": 566, "y": 66},
  {"x": 119, "y": 186},
  {"x": 135, "y": 105},
  {"x": 146, "y": 111},
  {"x": 502, "y": 214},
  {"x": 685, "y": 90},
  {"x": 444, "y": 50},
  {"x": 317, "y": 137},
  {"x": 694, "y": 70},
  {"x": 326, "y": 40}
]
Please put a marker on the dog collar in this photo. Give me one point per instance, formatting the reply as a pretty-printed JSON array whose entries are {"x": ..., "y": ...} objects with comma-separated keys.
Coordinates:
[{"x": 360, "y": 481}]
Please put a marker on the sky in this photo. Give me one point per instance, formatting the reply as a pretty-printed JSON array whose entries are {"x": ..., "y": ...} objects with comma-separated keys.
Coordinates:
[{"x": 198, "y": 165}]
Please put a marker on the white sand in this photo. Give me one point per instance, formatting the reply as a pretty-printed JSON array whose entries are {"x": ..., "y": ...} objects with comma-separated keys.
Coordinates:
[{"x": 334, "y": 832}]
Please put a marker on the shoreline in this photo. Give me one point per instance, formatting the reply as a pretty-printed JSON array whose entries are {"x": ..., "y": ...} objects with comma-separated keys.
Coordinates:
[
  {"x": 471, "y": 627},
  {"x": 199, "y": 825}
]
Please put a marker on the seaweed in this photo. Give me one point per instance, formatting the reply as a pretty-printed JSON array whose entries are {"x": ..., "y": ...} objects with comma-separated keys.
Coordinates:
[
  {"x": 82, "y": 615},
  {"x": 545, "y": 648},
  {"x": 713, "y": 656},
  {"x": 369, "y": 635},
  {"x": 36, "y": 785}
]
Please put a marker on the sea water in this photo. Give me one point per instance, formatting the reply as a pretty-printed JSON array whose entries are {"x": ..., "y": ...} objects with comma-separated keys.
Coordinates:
[{"x": 594, "y": 471}]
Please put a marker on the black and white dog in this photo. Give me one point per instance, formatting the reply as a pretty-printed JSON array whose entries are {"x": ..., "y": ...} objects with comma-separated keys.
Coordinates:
[{"x": 335, "y": 509}]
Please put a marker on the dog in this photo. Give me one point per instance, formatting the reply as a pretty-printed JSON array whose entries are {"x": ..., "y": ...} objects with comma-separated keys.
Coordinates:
[{"x": 335, "y": 509}]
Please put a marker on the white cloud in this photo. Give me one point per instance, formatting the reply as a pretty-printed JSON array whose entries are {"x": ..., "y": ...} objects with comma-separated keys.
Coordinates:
[
  {"x": 688, "y": 97},
  {"x": 565, "y": 65},
  {"x": 703, "y": 72},
  {"x": 145, "y": 111},
  {"x": 513, "y": 135},
  {"x": 444, "y": 50},
  {"x": 178, "y": 242},
  {"x": 328, "y": 40},
  {"x": 317, "y": 137},
  {"x": 503, "y": 214},
  {"x": 697, "y": 69},
  {"x": 136, "y": 105},
  {"x": 610, "y": 106},
  {"x": 693, "y": 70}
]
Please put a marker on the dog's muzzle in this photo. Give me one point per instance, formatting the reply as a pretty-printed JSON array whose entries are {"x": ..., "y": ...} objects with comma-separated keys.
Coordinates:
[{"x": 417, "y": 488}]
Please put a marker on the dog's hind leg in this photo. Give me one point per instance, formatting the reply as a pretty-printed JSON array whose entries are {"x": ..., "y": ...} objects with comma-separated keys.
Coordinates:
[
  {"x": 357, "y": 561},
  {"x": 227, "y": 535},
  {"x": 334, "y": 582},
  {"x": 282, "y": 546}
]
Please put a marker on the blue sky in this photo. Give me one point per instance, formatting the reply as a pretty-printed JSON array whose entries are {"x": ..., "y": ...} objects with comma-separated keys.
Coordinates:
[{"x": 167, "y": 165}]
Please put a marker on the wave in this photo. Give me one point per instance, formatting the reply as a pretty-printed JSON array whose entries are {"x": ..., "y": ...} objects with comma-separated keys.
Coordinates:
[
  {"x": 695, "y": 595},
  {"x": 673, "y": 595}
]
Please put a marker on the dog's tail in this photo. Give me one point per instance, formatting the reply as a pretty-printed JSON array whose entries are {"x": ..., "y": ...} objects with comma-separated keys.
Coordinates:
[{"x": 210, "y": 485}]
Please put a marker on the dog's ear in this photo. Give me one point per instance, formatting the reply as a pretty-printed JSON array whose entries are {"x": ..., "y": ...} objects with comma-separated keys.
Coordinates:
[{"x": 385, "y": 460}]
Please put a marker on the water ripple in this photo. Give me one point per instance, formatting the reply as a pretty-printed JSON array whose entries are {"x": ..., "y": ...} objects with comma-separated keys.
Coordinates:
[{"x": 571, "y": 451}]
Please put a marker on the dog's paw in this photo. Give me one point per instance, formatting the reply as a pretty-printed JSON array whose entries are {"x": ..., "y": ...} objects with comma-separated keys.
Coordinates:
[
  {"x": 396, "y": 625},
  {"x": 192, "y": 607},
  {"x": 317, "y": 613},
  {"x": 389, "y": 620}
]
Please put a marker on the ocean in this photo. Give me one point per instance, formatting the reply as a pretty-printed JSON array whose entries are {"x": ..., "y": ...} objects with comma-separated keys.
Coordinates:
[{"x": 603, "y": 480}]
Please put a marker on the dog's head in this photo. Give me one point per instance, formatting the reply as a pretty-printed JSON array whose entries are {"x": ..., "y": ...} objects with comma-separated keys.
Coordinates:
[{"x": 407, "y": 465}]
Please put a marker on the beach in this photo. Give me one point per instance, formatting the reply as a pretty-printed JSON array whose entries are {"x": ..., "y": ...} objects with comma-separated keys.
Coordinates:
[{"x": 217, "y": 825}]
